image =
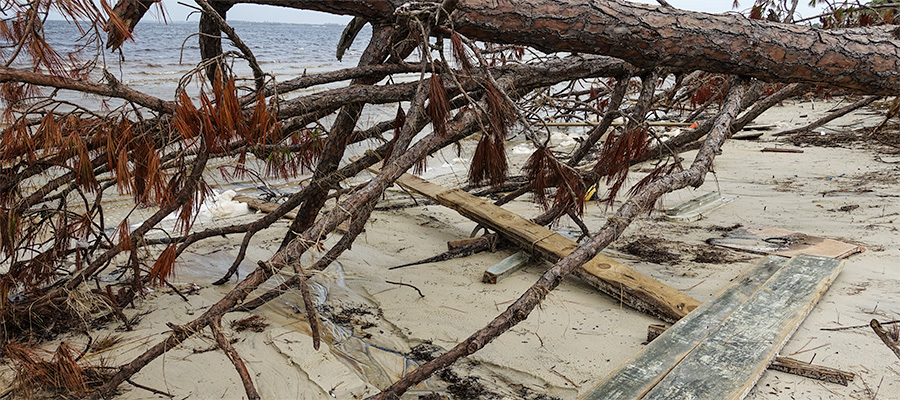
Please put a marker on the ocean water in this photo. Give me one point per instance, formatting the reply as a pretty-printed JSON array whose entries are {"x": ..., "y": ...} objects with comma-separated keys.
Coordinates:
[{"x": 161, "y": 54}]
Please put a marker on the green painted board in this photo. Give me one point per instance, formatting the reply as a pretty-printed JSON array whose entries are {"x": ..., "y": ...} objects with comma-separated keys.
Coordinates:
[
  {"x": 729, "y": 361},
  {"x": 641, "y": 373},
  {"x": 506, "y": 267}
]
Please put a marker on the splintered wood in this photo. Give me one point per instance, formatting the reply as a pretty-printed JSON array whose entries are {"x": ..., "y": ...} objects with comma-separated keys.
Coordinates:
[
  {"x": 636, "y": 290},
  {"x": 723, "y": 347}
]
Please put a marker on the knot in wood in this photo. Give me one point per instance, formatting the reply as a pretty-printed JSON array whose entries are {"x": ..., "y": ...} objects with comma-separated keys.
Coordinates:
[
  {"x": 521, "y": 315},
  {"x": 472, "y": 347}
]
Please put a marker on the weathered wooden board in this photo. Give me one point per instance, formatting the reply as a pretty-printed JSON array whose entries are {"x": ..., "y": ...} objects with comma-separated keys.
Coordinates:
[
  {"x": 784, "y": 364},
  {"x": 797, "y": 367},
  {"x": 262, "y": 205},
  {"x": 782, "y": 242},
  {"x": 729, "y": 361},
  {"x": 640, "y": 374},
  {"x": 610, "y": 276},
  {"x": 696, "y": 208},
  {"x": 266, "y": 206},
  {"x": 506, "y": 267}
]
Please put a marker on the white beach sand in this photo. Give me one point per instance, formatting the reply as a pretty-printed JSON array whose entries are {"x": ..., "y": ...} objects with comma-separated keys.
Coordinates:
[{"x": 578, "y": 335}]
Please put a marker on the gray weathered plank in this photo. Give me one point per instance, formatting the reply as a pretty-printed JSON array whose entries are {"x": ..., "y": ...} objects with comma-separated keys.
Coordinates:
[
  {"x": 731, "y": 359},
  {"x": 506, "y": 267},
  {"x": 639, "y": 375}
]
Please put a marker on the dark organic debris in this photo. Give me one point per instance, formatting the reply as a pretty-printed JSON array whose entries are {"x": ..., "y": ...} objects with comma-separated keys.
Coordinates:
[
  {"x": 425, "y": 351},
  {"x": 717, "y": 228},
  {"x": 465, "y": 387},
  {"x": 711, "y": 256},
  {"x": 655, "y": 250},
  {"x": 358, "y": 315},
  {"x": 254, "y": 323}
]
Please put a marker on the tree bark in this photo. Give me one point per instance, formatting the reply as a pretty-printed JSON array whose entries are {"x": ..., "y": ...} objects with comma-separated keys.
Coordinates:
[{"x": 862, "y": 59}]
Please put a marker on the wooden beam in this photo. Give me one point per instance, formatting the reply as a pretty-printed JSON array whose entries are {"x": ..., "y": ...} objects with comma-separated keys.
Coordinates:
[{"x": 634, "y": 289}]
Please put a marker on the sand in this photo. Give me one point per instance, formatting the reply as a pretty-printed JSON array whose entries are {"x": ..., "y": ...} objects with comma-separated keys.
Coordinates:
[{"x": 578, "y": 335}]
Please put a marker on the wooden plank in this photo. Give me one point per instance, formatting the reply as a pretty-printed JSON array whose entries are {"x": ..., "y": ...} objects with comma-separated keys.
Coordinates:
[
  {"x": 506, "y": 267},
  {"x": 266, "y": 206},
  {"x": 731, "y": 359},
  {"x": 784, "y": 364},
  {"x": 609, "y": 276},
  {"x": 800, "y": 368},
  {"x": 696, "y": 208},
  {"x": 782, "y": 242},
  {"x": 455, "y": 244},
  {"x": 262, "y": 205},
  {"x": 640, "y": 374}
]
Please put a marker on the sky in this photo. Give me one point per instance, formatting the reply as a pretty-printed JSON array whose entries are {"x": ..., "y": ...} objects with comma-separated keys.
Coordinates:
[{"x": 250, "y": 12}]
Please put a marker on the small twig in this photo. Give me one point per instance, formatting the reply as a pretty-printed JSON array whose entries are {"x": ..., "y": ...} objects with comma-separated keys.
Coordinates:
[
  {"x": 406, "y": 284},
  {"x": 147, "y": 388},
  {"x": 846, "y": 328},
  {"x": 564, "y": 377},
  {"x": 216, "y": 327},
  {"x": 174, "y": 289}
]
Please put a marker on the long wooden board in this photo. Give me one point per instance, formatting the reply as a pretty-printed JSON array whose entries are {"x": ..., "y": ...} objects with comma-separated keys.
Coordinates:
[
  {"x": 768, "y": 240},
  {"x": 640, "y": 374},
  {"x": 610, "y": 276},
  {"x": 727, "y": 364}
]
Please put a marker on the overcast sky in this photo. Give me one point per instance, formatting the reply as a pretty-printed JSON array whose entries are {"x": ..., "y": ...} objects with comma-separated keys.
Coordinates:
[{"x": 247, "y": 12}]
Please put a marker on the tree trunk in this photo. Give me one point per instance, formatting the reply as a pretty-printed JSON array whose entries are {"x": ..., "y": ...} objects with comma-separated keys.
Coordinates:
[{"x": 862, "y": 59}]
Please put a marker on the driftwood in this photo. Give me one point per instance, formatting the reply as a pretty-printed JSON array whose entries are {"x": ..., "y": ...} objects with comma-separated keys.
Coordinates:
[
  {"x": 800, "y": 368},
  {"x": 637, "y": 204},
  {"x": 832, "y": 116},
  {"x": 885, "y": 337}
]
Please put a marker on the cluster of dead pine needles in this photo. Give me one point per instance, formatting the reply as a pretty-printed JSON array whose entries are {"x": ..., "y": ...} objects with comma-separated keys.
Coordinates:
[{"x": 62, "y": 372}]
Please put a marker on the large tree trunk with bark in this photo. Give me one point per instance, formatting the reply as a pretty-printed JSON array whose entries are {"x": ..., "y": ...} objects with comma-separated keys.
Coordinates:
[{"x": 862, "y": 59}]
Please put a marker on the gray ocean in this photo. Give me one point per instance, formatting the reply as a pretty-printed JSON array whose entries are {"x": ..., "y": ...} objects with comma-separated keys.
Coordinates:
[{"x": 162, "y": 53}]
